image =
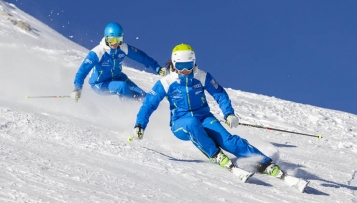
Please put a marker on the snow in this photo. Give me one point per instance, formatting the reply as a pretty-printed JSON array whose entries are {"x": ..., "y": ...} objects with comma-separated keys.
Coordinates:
[{"x": 57, "y": 150}]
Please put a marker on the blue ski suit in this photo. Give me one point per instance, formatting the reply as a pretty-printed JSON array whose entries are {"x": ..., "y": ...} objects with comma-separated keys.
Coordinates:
[
  {"x": 191, "y": 118},
  {"x": 106, "y": 75}
]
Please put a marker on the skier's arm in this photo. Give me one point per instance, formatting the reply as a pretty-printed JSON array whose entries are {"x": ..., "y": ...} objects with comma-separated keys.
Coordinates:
[
  {"x": 86, "y": 66},
  {"x": 219, "y": 94},
  {"x": 143, "y": 58},
  {"x": 150, "y": 104}
]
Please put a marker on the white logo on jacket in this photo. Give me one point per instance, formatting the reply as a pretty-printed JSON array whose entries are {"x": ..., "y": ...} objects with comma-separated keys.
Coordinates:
[
  {"x": 88, "y": 61},
  {"x": 152, "y": 92},
  {"x": 198, "y": 92},
  {"x": 197, "y": 86}
]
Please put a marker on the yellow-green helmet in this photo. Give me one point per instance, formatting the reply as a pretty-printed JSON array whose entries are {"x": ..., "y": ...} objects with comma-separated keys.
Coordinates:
[{"x": 183, "y": 53}]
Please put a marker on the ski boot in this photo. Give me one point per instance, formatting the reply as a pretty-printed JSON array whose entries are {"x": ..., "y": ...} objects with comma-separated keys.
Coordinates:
[
  {"x": 270, "y": 169},
  {"x": 224, "y": 161},
  {"x": 274, "y": 170}
]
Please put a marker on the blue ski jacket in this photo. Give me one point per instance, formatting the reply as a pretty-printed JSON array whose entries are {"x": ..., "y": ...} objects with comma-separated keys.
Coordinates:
[
  {"x": 185, "y": 95},
  {"x": 106, "y": 63}
]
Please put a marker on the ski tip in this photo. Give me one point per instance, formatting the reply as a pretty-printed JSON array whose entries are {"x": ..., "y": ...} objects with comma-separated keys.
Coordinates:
[
  {"x": 302, "y": 184},
  {"x": 242, "y": 174},
  {"x": 245, "y": 178},
  {"x": 302, "y": 190}
]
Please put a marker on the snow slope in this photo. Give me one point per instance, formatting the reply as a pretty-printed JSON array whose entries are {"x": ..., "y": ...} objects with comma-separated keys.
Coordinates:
[{"x": 57, "y": 150}]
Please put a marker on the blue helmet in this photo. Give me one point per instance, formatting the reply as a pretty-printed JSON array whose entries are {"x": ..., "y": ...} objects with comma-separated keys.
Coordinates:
[{"x": 113, "y": 30}]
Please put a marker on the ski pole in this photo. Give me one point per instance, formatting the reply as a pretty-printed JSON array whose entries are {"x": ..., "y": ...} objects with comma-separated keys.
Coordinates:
[
  {"x": 286, "y": 131},
  {"x": 43, "y": 97}
]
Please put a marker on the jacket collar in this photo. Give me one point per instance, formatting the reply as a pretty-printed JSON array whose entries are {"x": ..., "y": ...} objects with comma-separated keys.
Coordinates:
[{"x": 104, "y": 45}]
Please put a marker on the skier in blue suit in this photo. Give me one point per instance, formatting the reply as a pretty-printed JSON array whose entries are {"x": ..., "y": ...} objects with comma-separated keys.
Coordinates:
[
  {"x": 191, "y": 118},
  {"x": 105, "y": 64}
]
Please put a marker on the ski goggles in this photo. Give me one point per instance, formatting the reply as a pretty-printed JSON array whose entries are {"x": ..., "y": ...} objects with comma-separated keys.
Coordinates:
[
  {"x": 115, "y": 40},
  {"x": 181, "y": 66}
]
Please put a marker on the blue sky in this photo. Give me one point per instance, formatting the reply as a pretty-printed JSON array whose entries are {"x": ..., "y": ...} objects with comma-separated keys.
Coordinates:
[{"x": 302, "y": 51}]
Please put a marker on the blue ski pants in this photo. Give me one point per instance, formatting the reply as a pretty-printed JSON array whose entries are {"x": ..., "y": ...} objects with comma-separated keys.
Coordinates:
[
  {"x": 209, "y": 136},
  {"x": 121, "y": 86}
]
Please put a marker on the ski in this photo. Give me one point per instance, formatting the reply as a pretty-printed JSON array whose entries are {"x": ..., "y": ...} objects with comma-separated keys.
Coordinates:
[
  {"x": 294, "y": 182},
  {"x": 242, "y": 174},
  {"x": 297, "y": 183}
]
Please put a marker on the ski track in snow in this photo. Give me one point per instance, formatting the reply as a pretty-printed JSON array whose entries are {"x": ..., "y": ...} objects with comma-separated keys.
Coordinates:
[{"x": 56, "y": 150}]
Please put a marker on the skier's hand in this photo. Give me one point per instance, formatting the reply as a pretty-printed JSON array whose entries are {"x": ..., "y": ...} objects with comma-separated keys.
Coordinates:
[
  {"x": 138, "y": 131},
  {"x": 232, "y": 121},
  {"x": 163, "y": 71},
  {"x": 76, "y": 94}
]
